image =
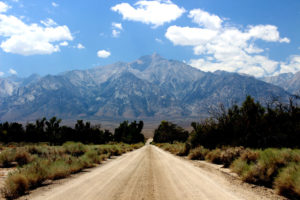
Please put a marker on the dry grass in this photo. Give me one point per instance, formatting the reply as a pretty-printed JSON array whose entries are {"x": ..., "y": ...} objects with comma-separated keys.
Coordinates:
[
  {"x": 177, "y": 148},
  {"x": 36, "y": 164}
]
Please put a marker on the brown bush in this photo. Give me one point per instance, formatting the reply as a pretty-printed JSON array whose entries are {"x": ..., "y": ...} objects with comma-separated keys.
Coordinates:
[
  {"x": 230, "y": 154},
  {"x": 6, "y": 158},
  {"x": 287, "y": 182},
  {"x": 22, "y": 157},
  {"x": 198, "y": 153},
  {"x": 15, "y": 185},
  {"x": 250, "y": 155},
  {"x": 214, "y": 156}
]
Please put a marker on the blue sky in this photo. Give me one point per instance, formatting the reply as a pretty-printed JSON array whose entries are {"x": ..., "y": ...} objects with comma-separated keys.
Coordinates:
[{"x": 259, "y": 38}]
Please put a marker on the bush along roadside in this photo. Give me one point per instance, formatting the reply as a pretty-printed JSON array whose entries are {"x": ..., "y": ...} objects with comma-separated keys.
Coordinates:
[
  {"x": 39, "y": 163},
  {"x": 271, "y": 167}
]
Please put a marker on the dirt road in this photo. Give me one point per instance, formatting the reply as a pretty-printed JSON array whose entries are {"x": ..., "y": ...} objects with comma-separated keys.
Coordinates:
[{"x": 147, "y": 173}]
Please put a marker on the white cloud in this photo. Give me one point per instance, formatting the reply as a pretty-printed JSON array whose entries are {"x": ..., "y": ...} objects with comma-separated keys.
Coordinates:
[
  {"x": 115, "y": 33},
  {"x": 48, "y": 22},
  {"x": 205, "y": 19},
  {"x": 30, "y": 39},
  {"x": 293, "y": 65},
  {"x": 103, "y": 54},
  {"x": 3, "y": 7},
  {"x": 64, "y": 44},
  {"x": 117, "y": 26},
  {"x": 224, "y": 47},
  {"x": 266, "y": 32},
  {"x": 54, "y": 4},
  {"x": 1, "y": 73},
  {"x": 156, "y": 12},
  {"x": 80, "y": 46},
  {"x": 12, "y": 71},
  {"x": 187, "y": 36}
]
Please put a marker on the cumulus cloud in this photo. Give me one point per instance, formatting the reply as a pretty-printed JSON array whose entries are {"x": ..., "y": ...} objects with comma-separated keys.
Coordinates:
[
  {"x": 80, "y": 46},
  {"x": 1, "y": 73},
  {"x": 3, "y": 7},
  {"x": 293, "y": 65},
  {"x": 30, "y": 39},
  {"x": 103, "y": 54},
  {"x": 12, "y": 71},
  {"x": 187, "y": 36},
  {"x": 227, "y": 48},
  {"x": 155, "y": 13},
  {"x": 205, "y": 19}
]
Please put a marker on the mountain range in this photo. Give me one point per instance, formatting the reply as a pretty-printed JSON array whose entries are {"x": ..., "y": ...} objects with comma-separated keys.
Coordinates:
[
  {"x": 150, "y": 88},
  {"x": 288, "y": 81}
]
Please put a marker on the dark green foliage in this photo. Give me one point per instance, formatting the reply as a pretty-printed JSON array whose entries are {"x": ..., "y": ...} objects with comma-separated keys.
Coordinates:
[
  {"x": 169, "y": 132},
  {"x": 129, "y": 133},
  {"x": 250, "y": 125},
  {"x": 51, "y": 131}
]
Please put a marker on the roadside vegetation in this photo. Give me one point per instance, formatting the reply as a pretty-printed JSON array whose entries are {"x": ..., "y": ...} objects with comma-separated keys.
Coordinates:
[
  {"x": 36, "y": 164},
  {"x": 46, "y": 151},
  {"x": 260, "y": 144}
]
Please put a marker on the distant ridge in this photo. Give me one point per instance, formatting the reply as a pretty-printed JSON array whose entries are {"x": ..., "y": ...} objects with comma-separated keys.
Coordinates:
[{"x": 288, "y": 81}]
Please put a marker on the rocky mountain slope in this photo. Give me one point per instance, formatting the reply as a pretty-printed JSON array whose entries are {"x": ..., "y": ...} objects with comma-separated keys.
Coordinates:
[
  {"x": 149, "y": 88},
  {"x": 288, "y": 81}
]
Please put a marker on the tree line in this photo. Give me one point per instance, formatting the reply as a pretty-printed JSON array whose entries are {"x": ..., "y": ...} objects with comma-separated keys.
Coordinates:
[
  {"x": 53, "y": 132},
  {"x": 248, "y": 125}
]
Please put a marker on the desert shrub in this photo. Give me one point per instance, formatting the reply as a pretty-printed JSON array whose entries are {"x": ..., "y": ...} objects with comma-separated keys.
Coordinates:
[
  {"x": 36, "y": 172},
  {"x": 40, "y": 163},
  {"x": 75, "y": 165},
  {"x": 198, "y": 153},
  {"x": 6, "y": 157},
  {"x": 288, "y": 181},
  {"x": 261, "y": 167},
  {"x": 58, "y": 169},
  {"x": 114, "y": 151},
  {"x": 228, "y": 155},
  {"x": 250, "y": 155},
  {"x": 185, "y": 151},
  {"x": 177, "y": 148},
  {"x": 75, "y": 148},
  {"x": 214, "y": 156},
  {"x": 103, "y": 157},
  {"x": 15, "y": 185},
  {"x": 93, "y": 156},
  {"x": 22, "y": 157},
  {"x": 137, "y": 145}
]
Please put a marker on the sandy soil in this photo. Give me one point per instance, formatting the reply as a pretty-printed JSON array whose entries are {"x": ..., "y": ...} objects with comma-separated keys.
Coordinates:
[{"x": 150, "y": 173}]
